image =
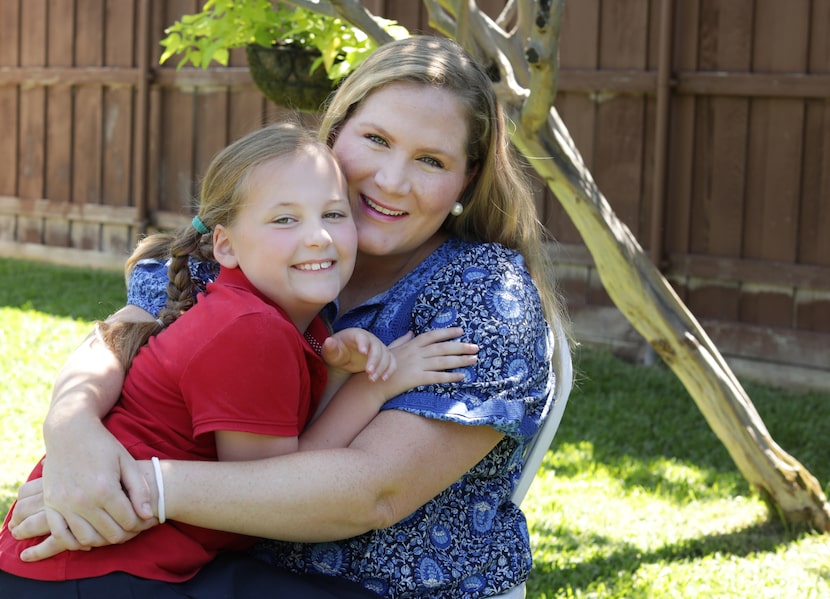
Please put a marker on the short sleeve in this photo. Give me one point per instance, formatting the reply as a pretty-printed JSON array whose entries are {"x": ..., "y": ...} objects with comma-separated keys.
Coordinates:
[
  {"x": 249, "y": 377},
  {"x": 489, "y": 293},
  {"x": 147, "y": 284}
]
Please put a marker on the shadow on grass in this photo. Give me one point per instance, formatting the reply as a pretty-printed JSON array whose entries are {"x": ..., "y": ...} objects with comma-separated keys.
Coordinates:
[
  {"x": 639, "y": 414},
  {"x": 84, "y": 294},
  {"x": 615, "y": 563}
]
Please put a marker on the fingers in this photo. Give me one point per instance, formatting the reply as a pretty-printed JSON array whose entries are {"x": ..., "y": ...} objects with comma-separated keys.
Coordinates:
[
  {"x": 140, "y": 494},
  {"x": 380, "y": 363},
  {"x": 29, "y": 503},
  {"x": 43, "y": 550},
  {"x": 63, "y": 535},
  {"x": 33, "y": 525},
  {"x": 402, "y": 339}
]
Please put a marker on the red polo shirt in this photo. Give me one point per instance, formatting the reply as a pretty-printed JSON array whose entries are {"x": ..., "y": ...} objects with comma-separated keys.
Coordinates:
[{"x": 233, "y": 362}]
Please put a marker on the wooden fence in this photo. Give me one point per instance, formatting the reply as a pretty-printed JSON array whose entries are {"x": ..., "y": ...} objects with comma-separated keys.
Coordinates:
[{"x": 706, "y": 123}]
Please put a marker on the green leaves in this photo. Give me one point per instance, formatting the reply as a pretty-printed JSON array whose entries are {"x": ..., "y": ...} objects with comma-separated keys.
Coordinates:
[{"x": 209, "y": 35}]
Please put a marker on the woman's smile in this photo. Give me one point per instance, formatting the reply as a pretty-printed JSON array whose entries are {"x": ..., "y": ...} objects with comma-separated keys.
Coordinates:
[{"x": 373, "y": 205}]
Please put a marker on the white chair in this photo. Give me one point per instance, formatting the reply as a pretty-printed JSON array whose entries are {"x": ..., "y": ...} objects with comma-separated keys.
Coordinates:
[{"x": 563, "y": 368}]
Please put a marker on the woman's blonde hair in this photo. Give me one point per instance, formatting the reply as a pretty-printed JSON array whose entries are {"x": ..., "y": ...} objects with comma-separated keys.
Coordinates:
[
  {"x": 498, "y": 202},
  {"x": 223, "y": 193}
]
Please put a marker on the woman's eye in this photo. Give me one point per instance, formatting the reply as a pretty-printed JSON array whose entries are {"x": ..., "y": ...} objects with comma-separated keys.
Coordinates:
[
  {"x": 434, "y": 162},
  {"x": 376, "y": 139}
]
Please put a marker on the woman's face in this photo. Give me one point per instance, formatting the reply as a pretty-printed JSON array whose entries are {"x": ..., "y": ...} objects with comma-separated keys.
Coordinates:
[{"x": 403, "y": 152}]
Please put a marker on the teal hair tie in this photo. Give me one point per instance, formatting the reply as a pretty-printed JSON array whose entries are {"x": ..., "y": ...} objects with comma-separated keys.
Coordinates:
[{"x": 199, "y": 225}]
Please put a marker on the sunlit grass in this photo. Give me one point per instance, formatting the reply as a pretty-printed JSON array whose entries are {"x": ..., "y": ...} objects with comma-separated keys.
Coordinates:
[{"x": 637, "y": 499}]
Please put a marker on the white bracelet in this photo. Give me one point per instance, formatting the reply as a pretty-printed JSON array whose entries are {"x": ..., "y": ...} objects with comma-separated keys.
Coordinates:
[{"x": 160, "y": 486}]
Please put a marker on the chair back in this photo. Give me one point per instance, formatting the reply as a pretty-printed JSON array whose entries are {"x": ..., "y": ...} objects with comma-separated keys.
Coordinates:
[{"x": 535, "y": 453}]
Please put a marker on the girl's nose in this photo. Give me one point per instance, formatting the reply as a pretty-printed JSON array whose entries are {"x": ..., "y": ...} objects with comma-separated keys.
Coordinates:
[{"x": 318, "y": 235}]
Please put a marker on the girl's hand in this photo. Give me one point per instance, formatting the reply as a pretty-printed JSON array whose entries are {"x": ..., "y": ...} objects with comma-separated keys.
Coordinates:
[
  {"x": 429, "y": 359},
  {"x": 355, "y": 350}
]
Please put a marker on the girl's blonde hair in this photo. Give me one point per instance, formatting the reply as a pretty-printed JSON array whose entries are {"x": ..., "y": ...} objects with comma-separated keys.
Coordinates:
[
  {"x": 223, "y": 193},
  {"x": 498, "y": 202}
]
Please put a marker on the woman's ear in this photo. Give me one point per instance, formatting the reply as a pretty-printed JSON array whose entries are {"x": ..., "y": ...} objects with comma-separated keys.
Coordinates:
[
  {"x": 471, "y": 175},
  {"x": 223, "y": 247}
]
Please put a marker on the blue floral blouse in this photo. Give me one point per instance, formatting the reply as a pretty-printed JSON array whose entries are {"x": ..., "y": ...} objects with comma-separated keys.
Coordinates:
[{"x": 470, "y": 541}]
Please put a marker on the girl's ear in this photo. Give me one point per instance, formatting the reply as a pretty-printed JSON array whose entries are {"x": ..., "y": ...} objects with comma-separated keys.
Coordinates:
[{"x": 223, "y": 247}]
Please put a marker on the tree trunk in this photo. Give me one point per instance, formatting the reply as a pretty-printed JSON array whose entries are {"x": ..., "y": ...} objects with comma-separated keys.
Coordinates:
[{"x": 647, "y": 300}]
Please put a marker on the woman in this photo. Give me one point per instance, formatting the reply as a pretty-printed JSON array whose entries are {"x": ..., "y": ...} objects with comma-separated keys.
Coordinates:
[{"x": 419, "y": 503}]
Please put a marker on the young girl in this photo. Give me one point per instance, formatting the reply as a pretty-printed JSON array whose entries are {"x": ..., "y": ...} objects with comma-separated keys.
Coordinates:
[{"x": 240, "y": 375}]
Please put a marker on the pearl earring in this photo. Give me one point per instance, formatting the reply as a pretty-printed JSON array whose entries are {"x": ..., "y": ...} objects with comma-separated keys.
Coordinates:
[{"x": 457, "y": 209}]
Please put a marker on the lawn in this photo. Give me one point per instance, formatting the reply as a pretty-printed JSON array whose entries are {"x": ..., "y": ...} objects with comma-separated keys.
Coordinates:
[{"x": 637, "y": 498}]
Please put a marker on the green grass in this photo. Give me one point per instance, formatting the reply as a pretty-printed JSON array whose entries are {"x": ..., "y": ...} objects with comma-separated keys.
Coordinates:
[{"x": 637, "y": 499}]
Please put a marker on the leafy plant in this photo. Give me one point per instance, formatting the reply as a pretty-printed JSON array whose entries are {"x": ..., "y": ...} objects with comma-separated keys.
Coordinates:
[{"x": 222, "y": 25}]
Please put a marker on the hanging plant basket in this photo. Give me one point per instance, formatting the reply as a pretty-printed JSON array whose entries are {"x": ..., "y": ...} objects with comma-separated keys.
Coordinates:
[{"x": 282, "y": 74}]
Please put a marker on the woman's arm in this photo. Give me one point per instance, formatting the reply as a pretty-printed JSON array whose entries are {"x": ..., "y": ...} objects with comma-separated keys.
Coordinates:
[
  {"x": 87, "y": 470},
  {"x": 396, "y": 464}
]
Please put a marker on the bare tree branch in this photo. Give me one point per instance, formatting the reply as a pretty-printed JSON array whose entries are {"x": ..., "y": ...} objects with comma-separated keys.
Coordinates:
[
  {"x": 507, "y": 17},
  {"x": 352, "y": 11},
  {"x": 542, "y": 56}
]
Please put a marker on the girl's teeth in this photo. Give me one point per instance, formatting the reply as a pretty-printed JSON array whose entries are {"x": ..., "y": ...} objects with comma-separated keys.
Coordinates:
[{"x": 315, "y": 266}]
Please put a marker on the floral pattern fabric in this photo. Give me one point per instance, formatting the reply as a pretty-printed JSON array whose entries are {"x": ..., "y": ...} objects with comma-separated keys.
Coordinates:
[{"x": 470, "y": 541}]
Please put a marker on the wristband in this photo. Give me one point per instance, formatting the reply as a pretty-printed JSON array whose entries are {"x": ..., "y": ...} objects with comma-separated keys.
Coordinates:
[{"x": 160, "y": 487}]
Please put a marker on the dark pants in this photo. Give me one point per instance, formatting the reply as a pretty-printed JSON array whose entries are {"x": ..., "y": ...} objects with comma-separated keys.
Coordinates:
[{"x": 230, "y": 576}]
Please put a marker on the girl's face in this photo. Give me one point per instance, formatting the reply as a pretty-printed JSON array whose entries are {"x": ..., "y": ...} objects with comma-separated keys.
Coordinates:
[
  {"x": 294, "y": 237},
  {"x": 403, "y": 152}
]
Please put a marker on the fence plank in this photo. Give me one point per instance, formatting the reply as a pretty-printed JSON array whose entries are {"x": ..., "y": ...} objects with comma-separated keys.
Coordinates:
[
  {"x": 119, "y": 117},
  {"x": 814, "y": 242},
  {"x": 720, "y": 151},
  {"x": 178, "y": 133},
  {"x": 246, "y": 106},
  {"x": 88, "y": 120},
  {"x": 61, "y": 49},
  {"x": 618, "y": 167},
  {"x": 681, "y": 144},
  {"x": 9, "y": 111},
  {"x": 775, "y": 145},
  {"x": 32, "y": 118},
  {"x": 578, "y": 49}
]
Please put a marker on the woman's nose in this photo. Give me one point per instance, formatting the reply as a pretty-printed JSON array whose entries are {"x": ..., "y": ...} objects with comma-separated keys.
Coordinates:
[{"x": 391, "y": 178}]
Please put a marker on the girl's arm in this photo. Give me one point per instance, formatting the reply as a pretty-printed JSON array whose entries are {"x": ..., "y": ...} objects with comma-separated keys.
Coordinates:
[
  {"x": 423, "y": 360},
  {"x": 394, "y": 465}
]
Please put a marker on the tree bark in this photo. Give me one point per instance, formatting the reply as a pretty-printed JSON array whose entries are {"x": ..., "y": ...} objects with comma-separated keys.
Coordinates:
[{"x": 526, "y": 57}]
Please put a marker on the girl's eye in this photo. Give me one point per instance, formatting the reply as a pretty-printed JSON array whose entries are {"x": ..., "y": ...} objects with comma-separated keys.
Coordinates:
[
  {"x": 376, "y": 139},
  {"x": 434, "y": 162},
  {"x": 284, "y": 220},
  {"x": 334, "y": 215}
]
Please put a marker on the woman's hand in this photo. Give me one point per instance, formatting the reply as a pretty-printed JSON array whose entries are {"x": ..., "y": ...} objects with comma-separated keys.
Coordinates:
[
  {"x": 32, "y": 518},
  {"x": 86, "y": 507}
]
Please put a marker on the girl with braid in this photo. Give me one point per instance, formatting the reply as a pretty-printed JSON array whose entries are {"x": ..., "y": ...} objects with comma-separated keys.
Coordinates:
[{"x": 240, "y": 375}]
